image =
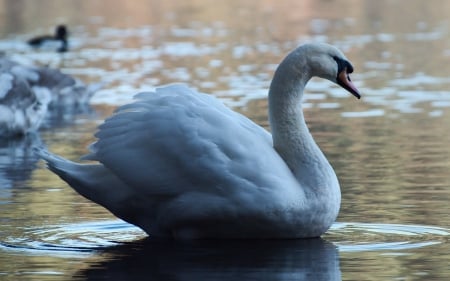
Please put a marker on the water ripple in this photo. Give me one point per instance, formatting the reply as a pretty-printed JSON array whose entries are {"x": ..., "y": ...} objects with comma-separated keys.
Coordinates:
[
  {"x": 362, "y": 237},
  {"x": 80, "y": 239},
  {"x": 73, "y": 239}
]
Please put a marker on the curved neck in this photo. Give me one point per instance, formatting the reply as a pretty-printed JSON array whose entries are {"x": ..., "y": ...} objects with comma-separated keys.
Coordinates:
[
  {"x": 291, "y": 136},
  {"x": 293, "y": 141}
]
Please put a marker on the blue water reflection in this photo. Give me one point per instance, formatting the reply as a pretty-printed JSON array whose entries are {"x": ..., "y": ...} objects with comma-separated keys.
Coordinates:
[
  {"x": 311, "y": 259},
  {"x": 17, "y": 160},
  {"x": 115, "y": 250}
]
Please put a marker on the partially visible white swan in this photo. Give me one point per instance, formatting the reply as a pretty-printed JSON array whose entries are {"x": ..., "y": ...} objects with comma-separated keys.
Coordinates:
[
  {"x": 66, "y": 91},
  {"x": 28, "y": 93},
  {"x": 22, "y": 109},
  {"x": 180, "y": 164}
]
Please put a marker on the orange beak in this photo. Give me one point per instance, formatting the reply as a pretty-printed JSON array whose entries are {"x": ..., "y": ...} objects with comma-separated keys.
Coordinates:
[{"x": 344, "y": 81}]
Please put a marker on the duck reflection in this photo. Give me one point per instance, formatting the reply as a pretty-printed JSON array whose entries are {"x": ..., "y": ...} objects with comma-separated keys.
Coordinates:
[{"x": 307, "y": 259}]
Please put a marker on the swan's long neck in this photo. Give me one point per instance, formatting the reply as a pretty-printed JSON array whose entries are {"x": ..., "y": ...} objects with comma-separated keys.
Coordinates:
[
  {"x": 319, "y": 193},
  {"x": 291, "y": 136}
]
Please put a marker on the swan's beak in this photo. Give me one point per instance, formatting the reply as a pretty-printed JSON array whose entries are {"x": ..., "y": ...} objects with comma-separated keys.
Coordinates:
[{"x": 344, "y": 81}]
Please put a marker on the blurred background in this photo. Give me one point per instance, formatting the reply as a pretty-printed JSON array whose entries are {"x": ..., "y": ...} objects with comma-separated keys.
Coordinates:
[{"x": 390, "y": 149}]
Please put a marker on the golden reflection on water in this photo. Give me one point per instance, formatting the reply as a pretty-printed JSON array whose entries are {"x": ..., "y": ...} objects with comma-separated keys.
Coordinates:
[{"x": 393, "y": 166}]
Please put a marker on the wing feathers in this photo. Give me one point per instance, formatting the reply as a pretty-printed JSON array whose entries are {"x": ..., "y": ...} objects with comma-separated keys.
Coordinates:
[{"x": 174, "y": 140}]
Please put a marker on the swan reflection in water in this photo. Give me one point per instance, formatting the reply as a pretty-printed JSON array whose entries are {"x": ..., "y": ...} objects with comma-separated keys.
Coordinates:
[{"x": 148, "y": 259}]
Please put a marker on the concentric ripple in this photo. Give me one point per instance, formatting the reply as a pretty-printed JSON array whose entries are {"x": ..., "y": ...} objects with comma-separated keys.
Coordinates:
[
  {"x": 86, "y": 238},
  {"x": 73, "y": 239},
  {"x": 361, "y": 237}
]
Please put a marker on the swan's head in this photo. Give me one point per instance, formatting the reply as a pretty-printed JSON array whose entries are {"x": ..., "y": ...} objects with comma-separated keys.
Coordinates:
[{"x": 328, "y": 62}]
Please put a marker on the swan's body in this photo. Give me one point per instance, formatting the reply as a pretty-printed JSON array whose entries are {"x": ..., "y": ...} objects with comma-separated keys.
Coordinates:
[
  {"x": 180, "y": 164},
  {"x": 28, "y": 93},
  {"x": 57, "y": 41}
]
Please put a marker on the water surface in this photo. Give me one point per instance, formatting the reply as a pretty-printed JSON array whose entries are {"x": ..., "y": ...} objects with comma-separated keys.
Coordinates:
[{"x": 389, "y": 149}]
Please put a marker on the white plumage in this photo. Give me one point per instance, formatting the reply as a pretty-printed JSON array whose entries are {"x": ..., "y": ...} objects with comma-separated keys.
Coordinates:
[
  {"x": 28, "y": 94},
  {"x": 178, "y": 163},
  {"x": 22, "y": 109}
]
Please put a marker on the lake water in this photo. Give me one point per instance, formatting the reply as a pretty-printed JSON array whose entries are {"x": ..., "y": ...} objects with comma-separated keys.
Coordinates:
[{"x": 390, "y": 149}]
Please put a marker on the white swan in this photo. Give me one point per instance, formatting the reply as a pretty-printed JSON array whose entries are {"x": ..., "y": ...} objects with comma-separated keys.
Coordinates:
[
  {"x": 180, "y": 164},
  {"x": 66, "y": 91},
  {"x": 22, "y": 109},
  {"x": 29, "y": 94}
]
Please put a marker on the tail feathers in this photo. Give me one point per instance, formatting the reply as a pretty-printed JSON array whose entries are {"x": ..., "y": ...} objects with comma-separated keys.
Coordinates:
[
  {"x": 98, "y": 184},
  {"x": 75, "y": 174},
  {"x": 92, "y": 181},
  {"x": 55, "y": 163}
]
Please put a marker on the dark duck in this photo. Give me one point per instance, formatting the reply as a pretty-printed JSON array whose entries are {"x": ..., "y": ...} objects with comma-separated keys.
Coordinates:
[{"x": 60, "y": 37}]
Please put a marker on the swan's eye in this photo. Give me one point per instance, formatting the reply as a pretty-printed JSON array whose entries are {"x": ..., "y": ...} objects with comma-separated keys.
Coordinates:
[
  {"x": 343, "y": 64},
  {"x": 349, "y": 67}
]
